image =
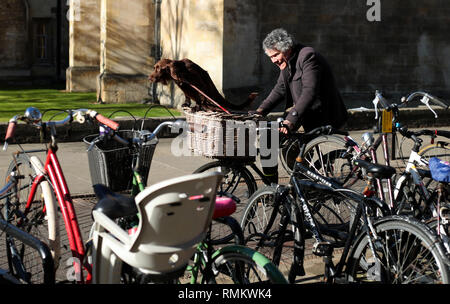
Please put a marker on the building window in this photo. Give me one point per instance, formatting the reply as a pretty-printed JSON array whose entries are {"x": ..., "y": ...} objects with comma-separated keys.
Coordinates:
[{"x": 42, "y": 40}]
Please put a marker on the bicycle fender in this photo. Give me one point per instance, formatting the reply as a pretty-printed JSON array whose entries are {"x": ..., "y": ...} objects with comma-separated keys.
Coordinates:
[{"x": 51, "y": 212}]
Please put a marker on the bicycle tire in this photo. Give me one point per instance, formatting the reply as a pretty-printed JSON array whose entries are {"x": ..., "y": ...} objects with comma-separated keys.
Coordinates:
[
  {"x": 325, "y": 155},
  {"x": 237, "y": 181},
  {"x": 241, "y": 265},
  {"x": 444, "y": 232},
  {"x": 254, "y": 221},
  {"x": 409, "y": 253},
  {"x": 234, "y": 176},
  {"x": 43, "y": 226},
  {"x": 440, "y": 150}
]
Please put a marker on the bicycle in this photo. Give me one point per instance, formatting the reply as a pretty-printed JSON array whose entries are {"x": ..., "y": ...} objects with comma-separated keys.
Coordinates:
[
  {"x": 411, "y": 194},
  {"x": 236, "y": 169},
  {"x": 126, "y": 213},
  {"x": 16, "y": 242},
  {"x": 32, "y": 206},
  {"x": 376, "y": 245},
  {"x": 439, "y": 171},
  {"x": 319, "y": 147},
  {"x": 156, "y": 252},
  {"x": 56, "y": 178}
]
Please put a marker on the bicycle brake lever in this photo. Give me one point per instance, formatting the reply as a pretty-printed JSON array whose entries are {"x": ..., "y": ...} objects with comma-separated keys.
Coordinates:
[
  {"x": 375, "y": 102},
  {"x": 426, "y": 101}
]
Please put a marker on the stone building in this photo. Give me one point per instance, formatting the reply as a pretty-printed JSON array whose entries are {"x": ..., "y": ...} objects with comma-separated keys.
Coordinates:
[
  {"x": 393, "y": 46},
  {"x": 33, "y": 41}
]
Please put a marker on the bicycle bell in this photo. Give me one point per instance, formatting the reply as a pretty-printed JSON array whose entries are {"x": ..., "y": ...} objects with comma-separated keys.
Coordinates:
[
  {"x": 32, "y": 115},
  {"x": 368, "y": 139}
]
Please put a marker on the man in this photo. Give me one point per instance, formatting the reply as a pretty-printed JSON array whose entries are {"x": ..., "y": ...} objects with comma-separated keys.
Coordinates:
[{"x": 306, "y": 83}]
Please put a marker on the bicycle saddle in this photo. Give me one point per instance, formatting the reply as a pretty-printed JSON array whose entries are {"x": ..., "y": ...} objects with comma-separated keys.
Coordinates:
[
  {"x": 224, "y": 206},
  {"x": 377, "y": 170},
  {"x": 112, "y": 204}
]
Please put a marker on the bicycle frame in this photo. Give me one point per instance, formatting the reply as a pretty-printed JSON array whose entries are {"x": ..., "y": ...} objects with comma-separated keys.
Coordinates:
[
  {"x": 54, "y": 172},
  {"x": 414, "y": 158},
  {"x": 304, "y": 217}
]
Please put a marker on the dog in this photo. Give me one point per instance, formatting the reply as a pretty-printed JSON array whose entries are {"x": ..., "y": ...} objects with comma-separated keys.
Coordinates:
[{"x": 186, "y": 74}]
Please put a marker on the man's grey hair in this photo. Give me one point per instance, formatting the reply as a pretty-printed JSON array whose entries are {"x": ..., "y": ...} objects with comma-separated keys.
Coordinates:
[{"x": 278, "y": 39}]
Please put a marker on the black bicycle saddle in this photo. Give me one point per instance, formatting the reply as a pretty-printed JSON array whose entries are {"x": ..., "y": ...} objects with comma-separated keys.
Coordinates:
[
  {"x": 112, "y": 204},
  {"x": 377, "y": 170}
]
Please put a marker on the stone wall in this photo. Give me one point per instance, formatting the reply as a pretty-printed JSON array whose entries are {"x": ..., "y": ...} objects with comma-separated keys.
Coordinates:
[
  {"x": 13, "y": 34},
  {"x": 18, "y": 41},
  {"x": 127, "y": 32},
  {"x": 406, "y": 50}
]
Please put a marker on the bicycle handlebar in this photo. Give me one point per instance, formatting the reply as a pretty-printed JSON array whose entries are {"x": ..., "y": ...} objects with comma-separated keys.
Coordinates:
[
  {"x": 104, "y": 120},
  {"x": 145, "y": 135},
  {"x": 33, "y": 116},
  {"x": 426, "y": 98}
]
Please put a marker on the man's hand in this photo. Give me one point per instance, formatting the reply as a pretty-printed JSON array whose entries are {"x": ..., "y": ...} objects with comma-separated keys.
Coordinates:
[
  {"x": 257, "y": 112},
  {"x": 287, "y": 127}
]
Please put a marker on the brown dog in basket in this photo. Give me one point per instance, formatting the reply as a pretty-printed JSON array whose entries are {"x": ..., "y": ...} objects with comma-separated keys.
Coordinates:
[{"x": 195, "y": 84}]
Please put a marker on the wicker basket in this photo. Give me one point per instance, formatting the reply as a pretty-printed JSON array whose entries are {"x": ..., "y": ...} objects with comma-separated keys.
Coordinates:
[{"x": 214, "y": 134}]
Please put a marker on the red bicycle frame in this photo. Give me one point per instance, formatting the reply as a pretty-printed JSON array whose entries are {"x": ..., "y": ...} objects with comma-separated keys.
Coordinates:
[{"x": 58, "y": 181}]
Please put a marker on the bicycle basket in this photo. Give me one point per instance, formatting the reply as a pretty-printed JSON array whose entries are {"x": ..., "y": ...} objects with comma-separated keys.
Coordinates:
[
  {"x": 110, "y": 162},
  {"x": 214, "y": 134}
]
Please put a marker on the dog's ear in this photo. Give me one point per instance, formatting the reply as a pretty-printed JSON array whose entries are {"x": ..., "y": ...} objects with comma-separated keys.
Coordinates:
[
  {"x": 178, "y": 70},
  {"x": 163, "y": 65}
]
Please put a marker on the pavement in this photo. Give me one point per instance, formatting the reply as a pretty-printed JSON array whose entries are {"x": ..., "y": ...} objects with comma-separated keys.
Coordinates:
[{"x": 74, "y": 162}]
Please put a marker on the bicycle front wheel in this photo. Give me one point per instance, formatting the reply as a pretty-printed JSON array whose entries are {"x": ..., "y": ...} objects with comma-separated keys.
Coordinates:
[
  {"x": 242, "y": 265},
  {"x": 256, "y": 218},
  {"x": 406, "y": 252},
  {"x": 24, "y": 262},
  {"x": 440, "y": 150}
]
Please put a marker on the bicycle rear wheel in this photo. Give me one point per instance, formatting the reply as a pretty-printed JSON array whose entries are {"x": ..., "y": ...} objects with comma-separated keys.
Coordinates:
[
  {"x": 40, "y": 224},
  {"x": 242, "y": 265},
  {"x": 326, "y": 155},
  {"x": 406, "y": 252},
  {"x": 238, "y": 182}
]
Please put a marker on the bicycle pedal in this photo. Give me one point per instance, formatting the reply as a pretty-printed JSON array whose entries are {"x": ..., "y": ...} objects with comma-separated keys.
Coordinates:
[{"x": 322, "y": 249}]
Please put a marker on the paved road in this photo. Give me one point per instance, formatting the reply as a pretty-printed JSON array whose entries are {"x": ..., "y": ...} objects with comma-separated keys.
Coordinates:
[{"x": 165, "y": 165}]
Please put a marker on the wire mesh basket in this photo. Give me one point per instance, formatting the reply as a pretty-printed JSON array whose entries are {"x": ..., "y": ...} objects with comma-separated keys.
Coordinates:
[
  {"x": 110, "y": 163},
  {"x": 214, "y": 134}
]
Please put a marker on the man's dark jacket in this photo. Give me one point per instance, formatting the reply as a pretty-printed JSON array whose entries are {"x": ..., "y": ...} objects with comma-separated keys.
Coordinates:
[{"x": 311, "y": 90}]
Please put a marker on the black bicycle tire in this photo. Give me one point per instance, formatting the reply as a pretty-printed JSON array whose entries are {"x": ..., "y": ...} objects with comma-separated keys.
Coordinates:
[
  {"x": 350, "y": 180},
  {"x": 285, "y": 263},
  {"x": 241, "y": 255},
  {"x": 251, "y": 188},
  {"x": 247, "y": 176},
  {"x": 35, "y": 217},
  {"x": 418, "y": 230}
]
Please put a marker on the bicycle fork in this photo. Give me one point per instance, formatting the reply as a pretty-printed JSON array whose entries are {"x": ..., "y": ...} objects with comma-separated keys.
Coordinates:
[
  {"x": 321, "y": 247},
  {"x": 287, "y": 217}
]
